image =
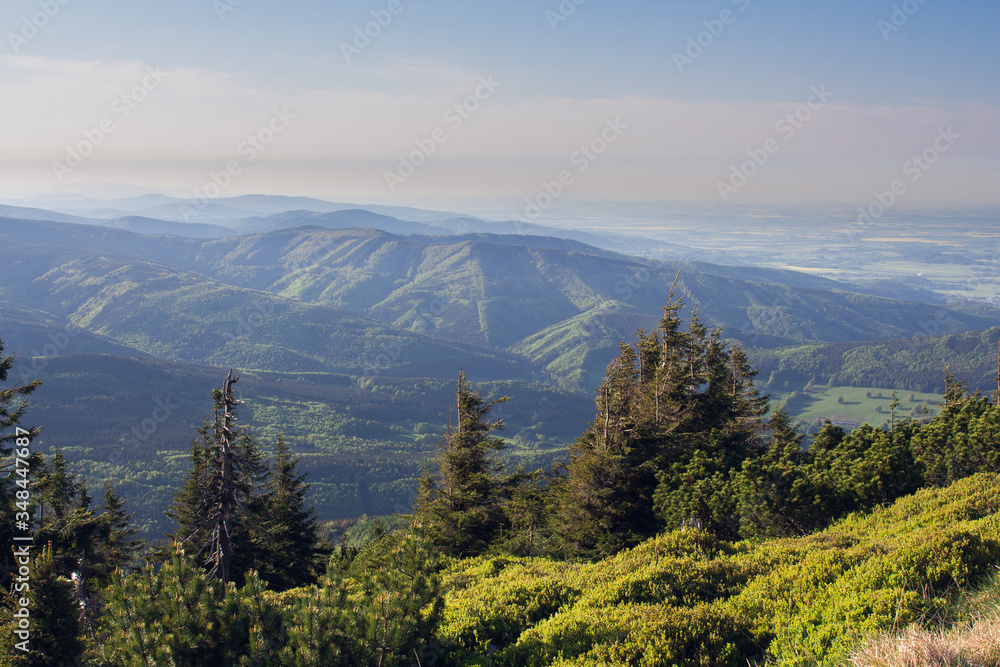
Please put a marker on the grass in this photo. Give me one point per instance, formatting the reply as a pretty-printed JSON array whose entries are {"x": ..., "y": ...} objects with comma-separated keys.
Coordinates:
[
  {"x": 977, "y": 645},
  {"x": 859, "y": 406},
  {"x": 969, "y": 637}
]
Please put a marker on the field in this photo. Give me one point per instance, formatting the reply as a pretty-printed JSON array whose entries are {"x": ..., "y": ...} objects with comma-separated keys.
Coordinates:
[{"x": 852, "y": 406}]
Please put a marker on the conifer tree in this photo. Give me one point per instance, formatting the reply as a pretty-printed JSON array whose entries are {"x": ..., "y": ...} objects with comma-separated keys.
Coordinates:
[
  {"x": 291, "y": 531},
  {"x": 114, "y": 544},
  {"x": 56, "y": 633},
  {"x": 215, "y": 508},
  {"x": 401, "y": 601},
  {"x": 12, "y": 403},
  {"x": 460, "y": 505},
  {"x": 319, "y": 628},
  {"x": 774, "y": 490},
  {"x": 964, "y": 439},
  {"x": 176, "y": 616},
  {"x": 675, "y": 414}
]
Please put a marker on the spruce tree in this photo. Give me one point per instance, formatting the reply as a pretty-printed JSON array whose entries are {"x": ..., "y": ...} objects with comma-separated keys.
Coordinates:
[
  {"x": 460, "y": 504},
  {"x": 774, "y": 490},
  {"x": 12, "y": 403},
  {"x": 298, "y": 556},
  {"x": 57, "y": 637},
  {"x": 114, "y": 544},
  {"x": 675, "y": 414}
]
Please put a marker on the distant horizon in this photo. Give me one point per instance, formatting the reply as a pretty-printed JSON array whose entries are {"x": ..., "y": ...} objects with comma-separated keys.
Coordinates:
[
  {"x": 737, "y": 102},
  {"x": 100, "y": 191}
]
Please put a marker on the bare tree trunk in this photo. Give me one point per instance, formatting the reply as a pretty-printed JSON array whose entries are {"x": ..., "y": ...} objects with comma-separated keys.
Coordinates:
[{"x": 222, "y": 546}]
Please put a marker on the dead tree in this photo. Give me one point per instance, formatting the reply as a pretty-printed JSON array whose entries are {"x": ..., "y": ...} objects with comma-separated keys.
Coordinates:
[{"x": 226, "y": 502}]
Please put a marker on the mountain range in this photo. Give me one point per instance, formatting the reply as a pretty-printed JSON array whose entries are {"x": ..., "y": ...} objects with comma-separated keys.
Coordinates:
[{"x": 351, "y": 326}]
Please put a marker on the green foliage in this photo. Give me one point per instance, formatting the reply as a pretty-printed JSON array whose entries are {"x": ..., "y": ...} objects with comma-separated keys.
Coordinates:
[
  {"x": 675, "y": 413},
  {"x": 12, "y": 402},
  {"x": 379, "y": 615},
  {"x": 234, "y": 504},
  {"x": 12, "y": 407},
  {"x": 907, "y": 364},
  {"x": 358, "y": 443},
  {"x": 963, "y": 440},
  {"x": 290, "y": 529},
  {"x": 396, "y": 600},
  {"x": 460, "y": 505},
  {"x": 685, "y": 598},
  {"x": 55, "y": 628}
]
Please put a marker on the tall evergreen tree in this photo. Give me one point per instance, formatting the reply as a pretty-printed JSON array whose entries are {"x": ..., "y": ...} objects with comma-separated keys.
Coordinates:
[
  {"x": 57, "y": 638},
  {"x": 12, "y": 403},
  {"x": 238, "y": 514},
  {"x": 460, "y": 504},
  {"x": 291, "y": 531},
  {"x": 675, "y": 413},
  {"x": 774, "y": 490},
  {"x": 214, "y": 510}
]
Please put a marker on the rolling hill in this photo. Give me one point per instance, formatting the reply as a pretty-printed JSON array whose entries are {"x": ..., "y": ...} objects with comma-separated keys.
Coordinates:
[
  {"x": 185, "y": 316},
  {"x": 561, "y": 305}
]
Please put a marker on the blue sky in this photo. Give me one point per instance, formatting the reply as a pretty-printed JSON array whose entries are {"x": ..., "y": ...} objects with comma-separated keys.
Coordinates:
[{"x": 559, "y": 82}]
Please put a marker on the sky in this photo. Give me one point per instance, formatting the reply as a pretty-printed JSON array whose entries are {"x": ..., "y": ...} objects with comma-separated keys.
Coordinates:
[{"x": 533, "y": 102}]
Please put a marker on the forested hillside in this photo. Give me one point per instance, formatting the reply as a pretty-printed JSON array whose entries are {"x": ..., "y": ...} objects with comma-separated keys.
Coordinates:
[
  {"x": 350, "y": 340},
  {"x": 907, "y": 364},
  {"x": 362, "y": 441},
  {"x": 688, "y": 526},
  {"x": 555, "y": 307}
]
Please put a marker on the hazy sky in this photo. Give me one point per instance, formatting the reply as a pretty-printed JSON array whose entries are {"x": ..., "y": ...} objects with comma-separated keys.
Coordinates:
[{"x": 667, "y": 98}]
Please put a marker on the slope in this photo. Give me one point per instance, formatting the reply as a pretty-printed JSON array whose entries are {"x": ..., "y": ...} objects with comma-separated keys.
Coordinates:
[
  {"x": 363, "y": 441},
  {"x": 180, "y": 315}
]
